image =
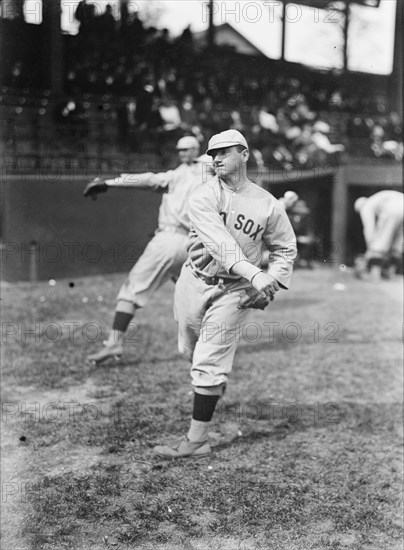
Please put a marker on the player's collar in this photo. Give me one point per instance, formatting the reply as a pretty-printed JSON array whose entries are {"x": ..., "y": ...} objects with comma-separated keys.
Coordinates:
[{"x": 232, "y": 189}]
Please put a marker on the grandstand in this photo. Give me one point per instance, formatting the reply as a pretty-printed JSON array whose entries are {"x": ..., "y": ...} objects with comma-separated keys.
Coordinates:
[{"x": 77, "y": 106}]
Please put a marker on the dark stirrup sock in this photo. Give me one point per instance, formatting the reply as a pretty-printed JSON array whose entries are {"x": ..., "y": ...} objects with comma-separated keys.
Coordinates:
[
  {"x": 204, "y": 407},
  {"x": 121, "y": 321}
]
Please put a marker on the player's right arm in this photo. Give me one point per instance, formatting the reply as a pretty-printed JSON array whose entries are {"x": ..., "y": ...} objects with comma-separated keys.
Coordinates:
[{"x": 148, "y": 180}]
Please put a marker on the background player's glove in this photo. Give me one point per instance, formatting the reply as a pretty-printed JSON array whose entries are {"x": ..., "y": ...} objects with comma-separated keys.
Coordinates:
[
  {"x": 253, "y": 299},
  {"x": 97, "y": 185}
]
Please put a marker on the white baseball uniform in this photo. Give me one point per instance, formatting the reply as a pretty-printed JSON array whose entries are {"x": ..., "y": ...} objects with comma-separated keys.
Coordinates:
[
  {"x": 166, "y": 252},
  {"x": 382, "y": 217},
  {"x": 227, "y": 226}
]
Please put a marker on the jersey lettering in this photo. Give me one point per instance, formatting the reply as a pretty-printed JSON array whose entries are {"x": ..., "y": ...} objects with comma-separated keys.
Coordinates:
[
  {"x": 247, "y": 226},
  {"x": 239, "y": 224},
  {"x": 257, "y": 232}
]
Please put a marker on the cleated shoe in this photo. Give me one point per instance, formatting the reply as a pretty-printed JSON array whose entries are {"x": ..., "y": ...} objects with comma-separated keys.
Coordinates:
[
  {"x": 113, "y": 351},
  {"x": 360, "y": 267},
  {"x": 186, "y": 449}
]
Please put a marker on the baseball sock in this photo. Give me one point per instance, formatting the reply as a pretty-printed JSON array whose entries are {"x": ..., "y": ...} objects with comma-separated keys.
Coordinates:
[
  {"x": 121, "y": 321},
  {"x": 204, "y": 407},
  {"x": 119, "y": 327}
]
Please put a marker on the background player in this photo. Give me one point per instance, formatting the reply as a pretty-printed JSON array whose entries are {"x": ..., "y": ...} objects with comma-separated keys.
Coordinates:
[
  {"x": 166, "y": 252},
  {"x": 233, "y": 221},
  {"x": 382, "y": 218}
]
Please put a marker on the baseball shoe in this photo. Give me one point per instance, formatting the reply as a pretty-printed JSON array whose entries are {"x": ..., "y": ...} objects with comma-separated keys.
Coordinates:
[
  {"x": 185, "y": 449},
  {"x": 360, "y": 267},
  {"x": 113, "y": 351}
]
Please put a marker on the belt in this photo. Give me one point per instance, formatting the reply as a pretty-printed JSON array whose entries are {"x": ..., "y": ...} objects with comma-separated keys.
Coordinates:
[
  {"x": 212, "y": 280},
  {"x": 173, "y": 229}
]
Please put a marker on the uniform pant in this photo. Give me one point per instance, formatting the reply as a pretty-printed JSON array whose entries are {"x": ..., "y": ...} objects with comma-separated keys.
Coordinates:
[
  {"x": 388, "y": 235},
  {"x": 161, "y": 261},
  {"x": 209, "y": 324}
]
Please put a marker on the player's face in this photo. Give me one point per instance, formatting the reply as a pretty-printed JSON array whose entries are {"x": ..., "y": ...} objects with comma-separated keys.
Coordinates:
[
  {"x": 228, "y": 160},
  {"x": 187, "y": 155}
]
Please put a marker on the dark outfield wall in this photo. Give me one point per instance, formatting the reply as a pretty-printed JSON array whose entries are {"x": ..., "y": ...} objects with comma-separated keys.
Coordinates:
[{"x": 49, "y": 230}]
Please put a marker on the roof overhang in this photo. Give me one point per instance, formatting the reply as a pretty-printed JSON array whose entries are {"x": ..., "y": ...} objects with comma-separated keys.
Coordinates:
[{"x": 326, "y": 4}]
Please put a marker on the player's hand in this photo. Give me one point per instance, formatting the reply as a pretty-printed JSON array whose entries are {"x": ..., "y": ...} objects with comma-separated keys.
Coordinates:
[
  {"x": 252, "y": 299},
  {"x": 97, "y": 185},
  {"x": 265, "y": 284}
]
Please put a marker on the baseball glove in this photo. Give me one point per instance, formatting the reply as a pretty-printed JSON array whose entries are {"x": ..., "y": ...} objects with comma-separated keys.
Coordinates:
[
  {"x": 97, "y": 185},
  {"x": 253, "y": 299}
]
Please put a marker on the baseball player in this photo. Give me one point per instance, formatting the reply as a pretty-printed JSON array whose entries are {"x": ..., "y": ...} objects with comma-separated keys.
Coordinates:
[
  {"x": 288, "y": 200},
  {"x": 382, "y": 218},
  {"x": 232, "y": 222},
  {"x": 166, "y": 252}
]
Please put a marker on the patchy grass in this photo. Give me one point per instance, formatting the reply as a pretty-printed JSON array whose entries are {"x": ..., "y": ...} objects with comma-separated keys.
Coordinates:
[{"x": 307, "y": 441}]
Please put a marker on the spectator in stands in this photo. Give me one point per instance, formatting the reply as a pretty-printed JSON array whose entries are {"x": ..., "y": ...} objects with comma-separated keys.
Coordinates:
[
  {"x": 85, "y": 15},
  {"x": 161, "y": 51},
  {"x": 189, "y": 118},
  {"x": 209, "y": 117},
  {"x": 267, "y": 121},
  {"x": 236, "y": 122},
  {"x": 189, "y": 115},
  {"x": 133, "y": 35},
  {"x": 105, "y": 25},
  {"x": 299, "y": 111},
  {"x": 184, "y": 48},
  {"x": 171, "y": 115},
  {"x": 313, "y": 147},
  {"x": 186, "y": 40},
  {"x": 383, "y": 147},
  {"x": 321, "y": 140},
  {"x": 17, "y": 71},
  {"x": 145, "y": 101},
  {"x": 172, "y": 123}
]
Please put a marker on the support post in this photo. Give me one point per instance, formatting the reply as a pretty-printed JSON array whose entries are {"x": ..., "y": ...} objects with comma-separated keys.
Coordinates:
[{"x": 339, "y": 213}]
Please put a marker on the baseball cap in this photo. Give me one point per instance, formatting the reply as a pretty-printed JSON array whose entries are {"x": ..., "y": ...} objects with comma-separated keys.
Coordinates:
[
  {"x": 359, "y": 203},
  {"x": 228, "y": 138},
  {"x": 321, "y": 126},
  {"x": 291, "y": 196},
  {"x": 187, "y": 142}
]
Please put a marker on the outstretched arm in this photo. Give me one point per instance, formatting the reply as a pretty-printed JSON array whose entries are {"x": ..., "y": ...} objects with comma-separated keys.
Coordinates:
[{"x": 148, "y": 180}]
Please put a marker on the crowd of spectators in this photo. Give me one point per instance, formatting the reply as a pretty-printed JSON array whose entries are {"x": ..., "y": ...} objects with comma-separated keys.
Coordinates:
[
  {"x": 174, "y": 88},
  {"x": 160, "y": 87}
]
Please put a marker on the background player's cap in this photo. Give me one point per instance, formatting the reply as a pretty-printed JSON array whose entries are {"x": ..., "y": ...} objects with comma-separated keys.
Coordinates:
[
  {"x": 228, "y": 138},
  {"x": 188, "y": 142},
  {"x": 358, "y": 204}
]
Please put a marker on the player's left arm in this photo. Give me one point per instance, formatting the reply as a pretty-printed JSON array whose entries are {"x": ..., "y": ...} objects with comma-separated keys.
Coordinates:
[{"x": 280, "y": 240}]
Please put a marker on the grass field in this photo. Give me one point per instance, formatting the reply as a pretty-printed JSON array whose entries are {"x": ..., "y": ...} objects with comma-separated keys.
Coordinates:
[{"x": 307, "y": 440}]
